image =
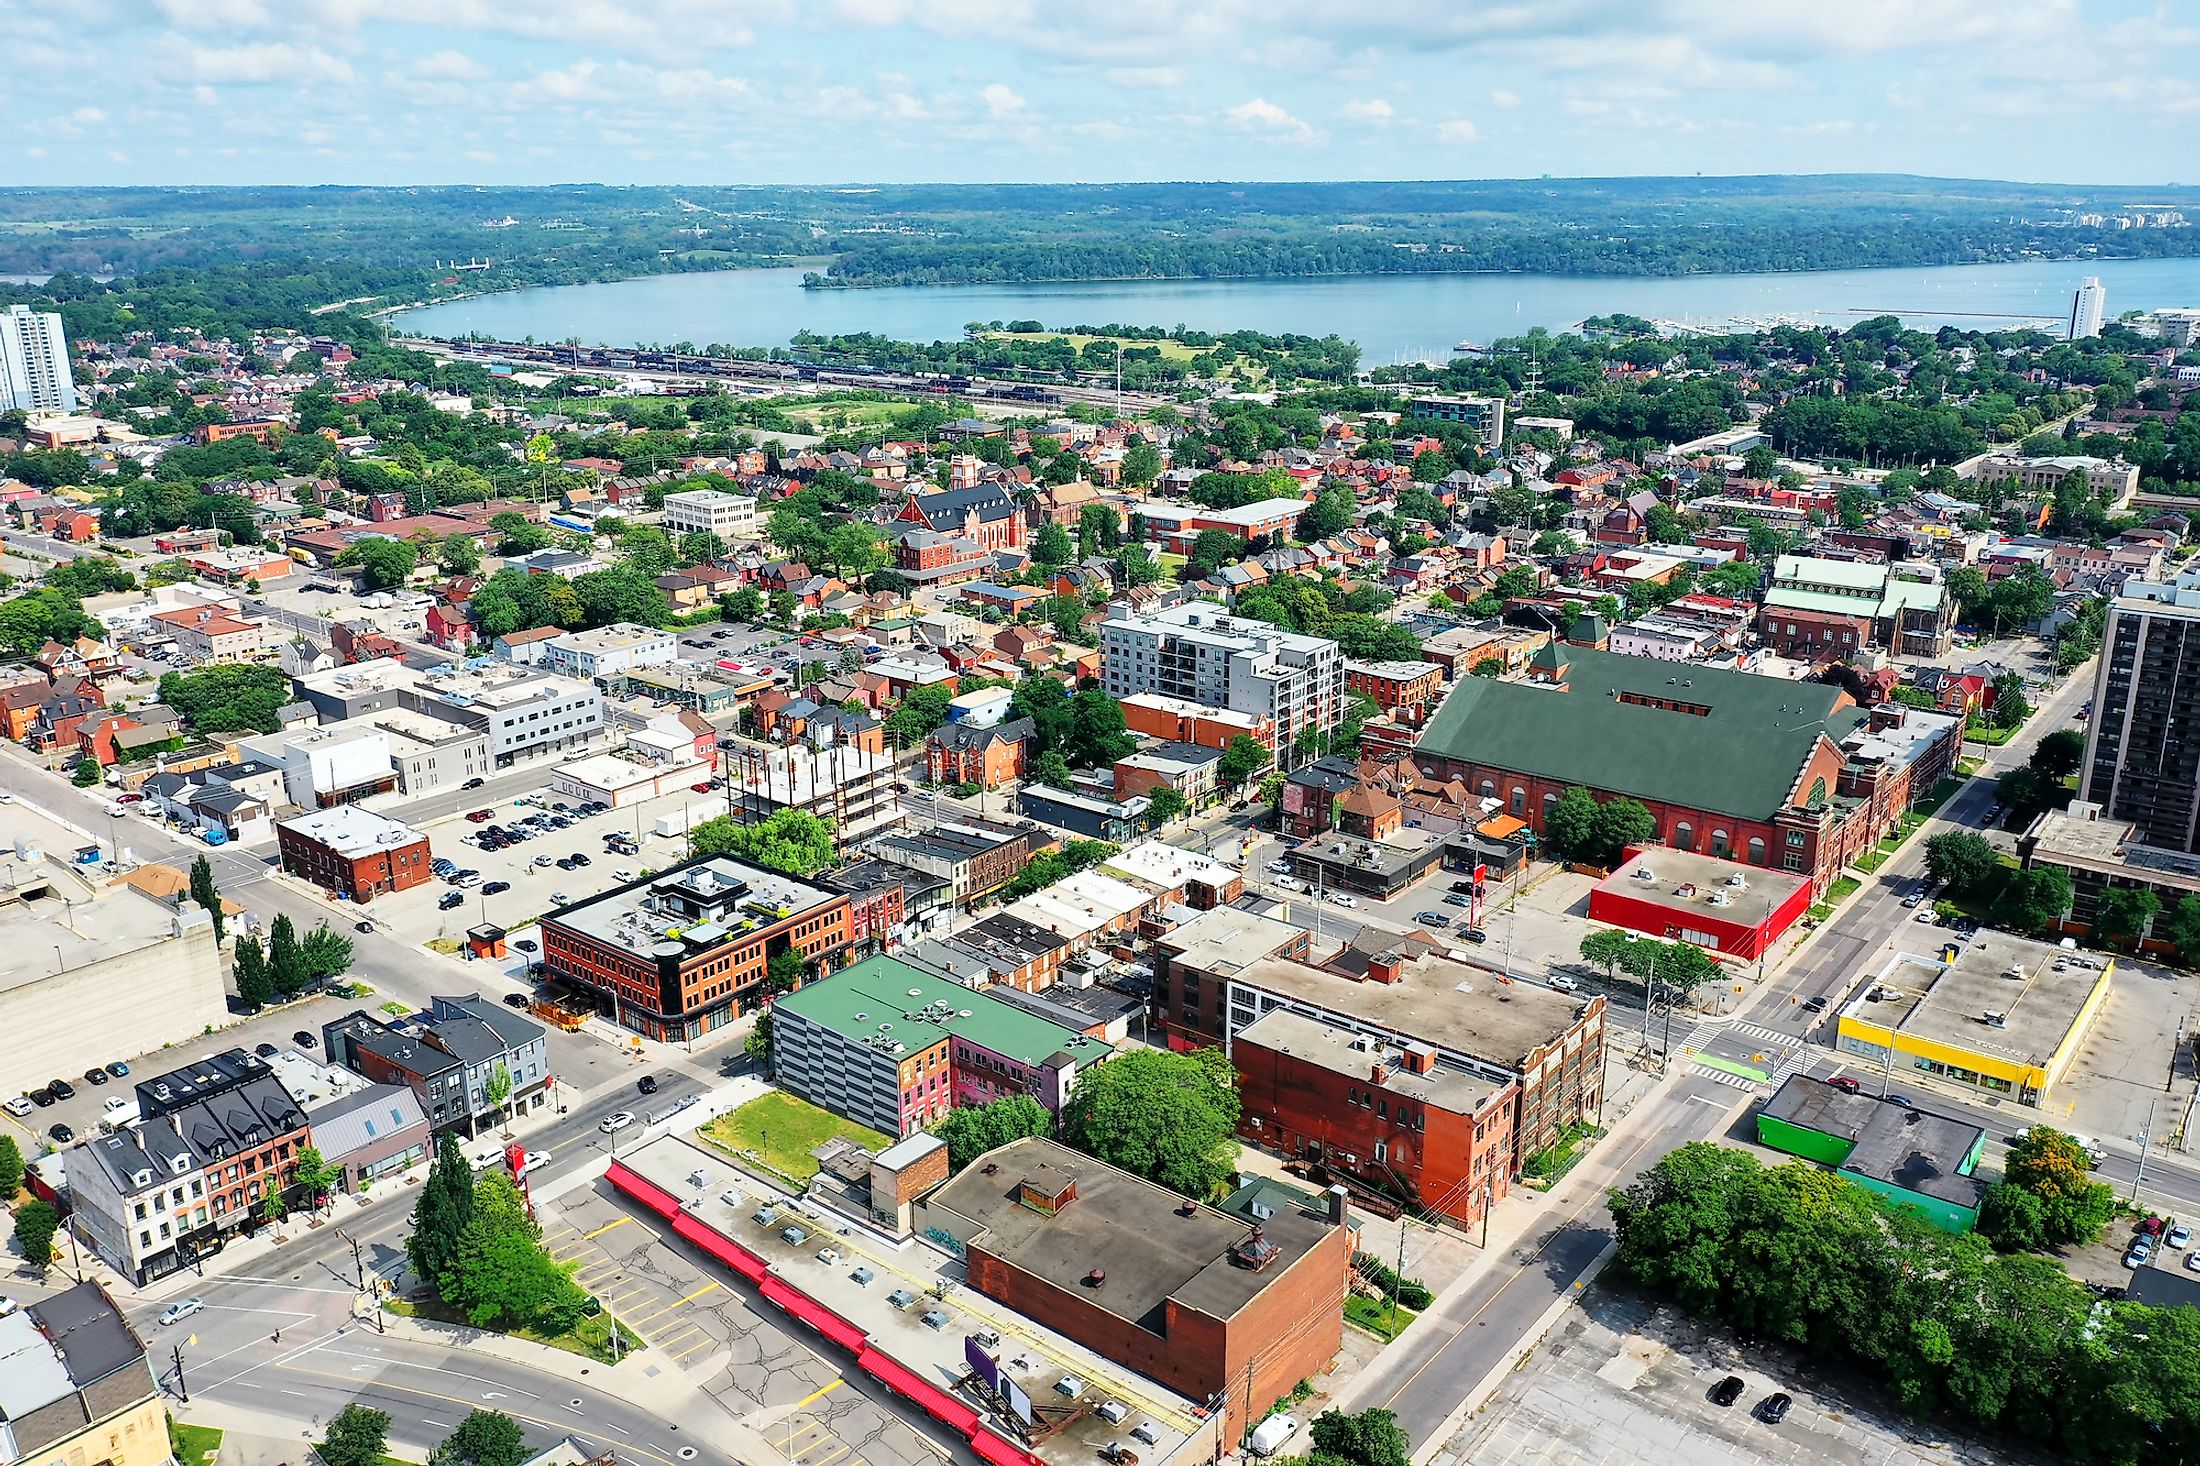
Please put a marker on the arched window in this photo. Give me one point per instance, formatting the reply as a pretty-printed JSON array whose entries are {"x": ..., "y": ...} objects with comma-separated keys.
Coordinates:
[
  {"x": 1684, "y": 836},
  {"x": 1721, "y": 846},
  {"x": 1548, "y": 801},
  {"x": 1756, "y": 851},
  {"x": 1489, "y": 788},
  {"x": 1519, "y": 800}
]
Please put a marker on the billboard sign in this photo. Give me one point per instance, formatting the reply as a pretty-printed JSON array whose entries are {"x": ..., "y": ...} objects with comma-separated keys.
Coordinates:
[
  {"x": 1019, "y": 1401},
  {"x": 982, "y": 1364}
]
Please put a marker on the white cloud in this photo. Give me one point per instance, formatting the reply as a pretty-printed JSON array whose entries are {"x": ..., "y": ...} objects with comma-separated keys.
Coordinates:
[
  {"x": 1264, "y": 117},
  {"x": 266, "y": 61},
  {"x": 88, "y": 116},
  {"x": 215, "y": 15},
  {"x": 1369, "y": 109},
  {"x": 1001, "y": 101},
  {"x": 1141, "y": 78},
  {"x": 1503, "y": 98},
  {"x": 1457, "y": 133},
  {"x": 449, "y": 65}
]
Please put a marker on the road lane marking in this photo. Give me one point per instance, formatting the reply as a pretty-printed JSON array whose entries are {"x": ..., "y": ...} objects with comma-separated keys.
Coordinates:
[
  {"x": 558, "y": 1426},
  {"x": 607, "y": 1227},
  {"x": 819, "y": 1393}
]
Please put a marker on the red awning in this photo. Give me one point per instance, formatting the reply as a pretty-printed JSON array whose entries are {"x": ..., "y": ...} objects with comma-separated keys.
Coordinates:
[
  {"x": 932, "y": 1400},
  {"x": 725, "y": 1250},
  {"x": 648, "y": 1193},
  {"x": 987, "y": 1446},
  {"x": 813, "y": 1313}
]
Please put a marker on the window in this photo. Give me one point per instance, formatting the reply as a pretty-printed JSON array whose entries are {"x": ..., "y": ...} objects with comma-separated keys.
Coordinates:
[
  {"x": 1684, "y": 836},
  {"x": 1519, "y": 801},
  {"x": 1721, "y": 846},
  {"x": 1382, "y": 1151},
  {"x": 1756, "y": 851}
]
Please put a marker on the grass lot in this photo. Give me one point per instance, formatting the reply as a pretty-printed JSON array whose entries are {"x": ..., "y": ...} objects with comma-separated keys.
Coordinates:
[
  {"x": 591, "y": 1339},
  {"x": 1909, "y": 823},
  {"x": 1378, "y": 1316},
  {"x": 194, "y": 1445},
  {"x": 1836, "y": 893},
  {"x": 1977, "y": 732},
  {"x": 1170, "y": 350},
  {"x": 779, "y": 1131}
]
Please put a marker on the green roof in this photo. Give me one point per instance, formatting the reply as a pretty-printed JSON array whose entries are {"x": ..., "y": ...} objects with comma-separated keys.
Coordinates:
[
  {"x": 1743, "y": 758},
  {"x": 1864, "y": 577},
  {"x": 855, "y": 1001}
]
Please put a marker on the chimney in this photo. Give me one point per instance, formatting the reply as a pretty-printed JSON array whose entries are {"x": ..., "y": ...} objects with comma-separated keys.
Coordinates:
[
  {"x": 1386, "y": 967},
  {"x": 1337, "y": 1199},
  {"x": 1379, "y": 1074}
]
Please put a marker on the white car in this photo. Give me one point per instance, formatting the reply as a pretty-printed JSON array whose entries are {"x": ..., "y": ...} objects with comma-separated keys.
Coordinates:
[
  {"x": 611, "y": 1124},
  {"x": 1562, "y": 983},
  {"x": 622, "y": 874},
  {"x": 1926, "y": 918},
  {"x": 176, "y": 1312},
  {"x": 537, "y": 1159},
  {"x": 20, "y": 1105},
  {"x": 1339, "y": 898},
  {"x": 1271, "y": 1434}
]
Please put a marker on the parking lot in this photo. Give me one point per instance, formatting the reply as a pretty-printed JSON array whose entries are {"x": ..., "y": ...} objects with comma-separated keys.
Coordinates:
[
  {"x": 1623, "y": 1379},
  {"x": 2116, "y": 1089}
]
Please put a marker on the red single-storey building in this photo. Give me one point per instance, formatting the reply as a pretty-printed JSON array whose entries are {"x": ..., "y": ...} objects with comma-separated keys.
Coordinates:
[{"x": 1721, "y": 905}]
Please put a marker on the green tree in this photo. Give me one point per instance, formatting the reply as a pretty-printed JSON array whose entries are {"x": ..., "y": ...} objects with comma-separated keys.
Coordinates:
[
  {"x": 1605, "y": 948},
  {"x": 1053, "y": 548},
  {"x": 1215, "y": 548},
  {"x": 1053, "y": 770},
  {"x": 2059, "y": 753},
  {"x": 483, "y": 1438},
  {"x": 255, "y": 985},
  {"x": 286, "y": 966},
  {"x": 1135, "y": 566},
  {"x": 382, "y": 562},
  {"x": 791, "y": 841},
  {"x": 1169, "y": 1117},
  {"x": 647, "y": 550},
  {"x": 699, "y": 545},
  {"x": 522, "y": 536},
  {"x": 441, "y": 1214},
  {"x": 497, "y": 1088},
  {"x": 2012, "y": 1218},
  {"x": 1332, "y": 513},
  {"x": 2053, "y": 1167},
  {"x": 207, "y": 896},
  {"x": 227, "y": 699},
  {"x": 2033, "y": 900},
  {"x": 1570, "y": 824},
  {"x": 1099, "y": 529},
  {"x": 853, "y": 550},
  {"x": 1166, "y": 804},
  {"x": 2025, "y": 791},
  {"x": 758, "y": 1045},
  {"x": 744, "y": 605},
  {"x": 972, "y": 1130},
  {"x": 1621, "y": 822},
  {"x": 624, "y": 593},
  {"x": 86, "y": 773},
  {"x": 2010, "y": 705},
  {"x": 313, "y": 1176},
  {"x": 1761, "y": 462},
  {"x": 1370, "y": 1438},
  {"x": 35, "y": 1224},
  {"x": 458, "y": 554},
  {"x": 11, "y": 1169},
  {"x": 1242, "y": 758},
  {"x": 1141, "y": 464},
  {"x": 1966, "y": 863},
  {"x": 785, "y": 969},
  {"x": 325, "y": 953},
  {"x": 920, "y": 711},
  {"x": 2180, "y": 927},
  {"x": 2125, "y": 913},
  {"x": 356, "y": 1436}
]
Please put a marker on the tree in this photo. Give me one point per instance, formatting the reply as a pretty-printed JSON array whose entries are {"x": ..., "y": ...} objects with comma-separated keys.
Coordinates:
[
  {"x": 1761, "y": 462},
  {"x": 1164, "y": 804},
  {"x": 1605, "y": 948},
  {"x": 35, "y": 1224},
  {"x": 497, "y": 1088},
  {"x": 1166, "y": 1116},
  {"x": 700, "y": 545},
  {"x": 522, "y": 536},
  {"x": 2180, "y": 927},
  {"x": 853, "y": 549},
  {"x": 2012, "y": 1218},
  {"x": 228, "y": 699},
  {"x": 255, "y": 985},
  {"x": 86, "y": 773},
  {"x": 1242, "y": 758},
  {"x": 758, "y": 1045},
  {"x": 1141, "y": 464},
  {"x": 313, "y": 1176},
  {"x": 1099, "y": 529},
  {"x": 2009, "y": 706},
  {"x": 382, "y": 562},
  {"x": 286, "y": 966},
  {"x": 1619, "y": 823},
  {"x": 972, "y": 1130},
  {"x": 646, "y": 549},
  {"x": 1135, "y": 565},
  {"x": 1053, "y": 548},
  {"x": 1570, "y": 824},
  {"x": 785, "y": 969},
  {"x": 356, "y": 1436},
  {"x": 11, "y": 1169},
  {"x": 1331, "y": 513},
  {"x": 791, "y": 841},
  {"x": 1215, "y": 548},
  {"x": 325, "y": 953},
  {"x": 483, "y": 1438},
  {"x": 1967, "y": 864},
  {"x": 744, "y": 605},
  {"x": 1098, "y": 734},
  {"x": 1053, "y": 770},
  {"x": 624, "y": 593},
  {"x": 2033, "y": 900},
  {"x": 2059, "y": 753},
  {"x": 458, "y": 554},
  {"x": 442, "y": 1213},
  {"x": 1370, "y": 1438},
  {"x": 921, "y": 710},
  {"x": 2125, "y": 913},
  {"x": 2056, "y": 1169}
]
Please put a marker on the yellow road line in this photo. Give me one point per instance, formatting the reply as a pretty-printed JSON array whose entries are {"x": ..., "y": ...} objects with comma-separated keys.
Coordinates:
[
  {"x": 607, "y": 1226},
  {"x": 820, "y": 1392},
  {"x": 699, "y": 1292},
  {"x": 841, "y": 1448},
  {"x": 675, "y": 1303},
  {"x": 706, "y": 1342}
]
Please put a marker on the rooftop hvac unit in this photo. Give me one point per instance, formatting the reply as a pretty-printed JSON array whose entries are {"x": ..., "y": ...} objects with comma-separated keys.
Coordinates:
[
  {"x": 1716, "y": 898},
  {"x": 1736, "y": 881},
  {"x": 1645, "y": 874},
  {"x": 2014, "y": 971}
]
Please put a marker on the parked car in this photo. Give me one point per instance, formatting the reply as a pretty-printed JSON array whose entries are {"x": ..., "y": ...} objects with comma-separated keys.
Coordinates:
[
  {"x": 700, "y": 788},
  {"x": 1561, "y": 983},
  {"x": 1432, "y": 918},
  {"x": 22, "y": 1105},
  {"x": 118, "y": 1069},
  {"x": 2150, "y": 1226},
  {"x": 44, "y": 1098},
  {"x": 450, "y": 900},
  {"x": 559, "y": 898},
  {"x": 1476, "y": 935},
  {"x": 1727, "y": 1390},
  {"x": 1775, "y": 1409},
  {"x": 1455, "y": 899},
  {"x": 2136, "y": 1256},
  {"x": 305, "y": 1040},
  {"x": 1815, "y": 1005},
  {"x": 1926, "y": 918},
  {"x": 1271, "y": 1435},
  {"x": 1915, "y": 898},
  {"x": 266, "y": 1051},
  {"x": 1463, "y": 888},
  {"x": 577, "y": 858},
  {"x": 1902, "y": 1100},
  {"x": 1343, "y": 898},
  {"x": 95, "y": 1076},
  {"x": 496, "y": 888},
  {"x": 2180, "y": 1236},
  {"x": 518, "y": 1000},
  {"x": 362, "y": 927},
  {"x": 61, "y": 1088}
]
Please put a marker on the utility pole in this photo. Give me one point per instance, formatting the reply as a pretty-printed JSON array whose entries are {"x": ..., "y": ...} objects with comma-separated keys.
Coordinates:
[{"x": 181, "y": 1388}]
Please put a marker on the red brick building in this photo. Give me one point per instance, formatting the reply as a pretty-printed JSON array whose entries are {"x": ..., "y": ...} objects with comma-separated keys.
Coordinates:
[
  {"x": 353, "y": 852},
  {"x": 1717, "y": 904},
  {"x": 1812, "y": 635},
  {"x": 1395, "y": 685},
  {"x": 698, "y": 955},
  {"x": 1197, "y": 1299},
  {"x": 957, "y": 753},
  {"x": 1377, "y": 1117}
]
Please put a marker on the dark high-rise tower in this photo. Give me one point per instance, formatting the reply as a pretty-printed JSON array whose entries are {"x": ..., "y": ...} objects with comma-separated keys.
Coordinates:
[{"x": 2142, "y": 755}]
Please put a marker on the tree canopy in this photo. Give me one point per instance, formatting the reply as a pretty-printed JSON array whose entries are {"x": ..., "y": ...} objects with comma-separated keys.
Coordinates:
[{"x": 1168, "y": 1117}]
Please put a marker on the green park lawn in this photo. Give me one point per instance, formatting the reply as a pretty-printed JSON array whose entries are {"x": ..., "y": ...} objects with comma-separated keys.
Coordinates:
[
  {"x": 194, "y": 1445},
  {"x": 779, "y": 1131}
]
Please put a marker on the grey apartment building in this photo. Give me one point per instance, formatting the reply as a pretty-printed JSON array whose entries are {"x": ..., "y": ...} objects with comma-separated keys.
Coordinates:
[
  {"x": 2142, "y": 755},
  {"x": 1201, "y": 653}
]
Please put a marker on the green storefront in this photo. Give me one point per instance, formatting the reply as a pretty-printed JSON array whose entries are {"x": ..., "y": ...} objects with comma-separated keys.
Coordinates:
[{"x": 1912, "y": 1157}]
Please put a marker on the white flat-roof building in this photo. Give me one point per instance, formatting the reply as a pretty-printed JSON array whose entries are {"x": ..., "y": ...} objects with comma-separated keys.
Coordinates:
[
  {"x": 1202, "y": 654},
  {"x": 608, "y": 651},
  {"x": 731, "y": 517},
  {"x": 34, "y": 362}
]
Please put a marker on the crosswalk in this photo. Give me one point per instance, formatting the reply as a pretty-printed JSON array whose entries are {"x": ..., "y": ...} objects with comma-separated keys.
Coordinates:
[{"x": 1778, "y": 1054}]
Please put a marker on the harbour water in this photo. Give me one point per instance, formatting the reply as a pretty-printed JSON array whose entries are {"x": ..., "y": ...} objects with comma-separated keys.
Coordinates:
[{"x": 1391, "y": 317}]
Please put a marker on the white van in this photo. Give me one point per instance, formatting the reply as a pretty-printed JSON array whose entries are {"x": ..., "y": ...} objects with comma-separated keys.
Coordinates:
[{"x": 1271, "y": 1434}]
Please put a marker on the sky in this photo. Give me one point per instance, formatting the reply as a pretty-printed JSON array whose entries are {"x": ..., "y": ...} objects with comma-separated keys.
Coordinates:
[{"x": 837, "y": 91}]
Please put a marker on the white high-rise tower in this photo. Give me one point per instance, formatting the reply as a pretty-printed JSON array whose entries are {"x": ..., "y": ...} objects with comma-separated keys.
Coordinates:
[
  {"x": 34, "y": 362},
  {"x": 2085, "y": 309}
]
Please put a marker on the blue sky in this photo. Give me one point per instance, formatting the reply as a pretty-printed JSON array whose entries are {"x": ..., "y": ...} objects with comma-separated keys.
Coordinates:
[{"x": 800, "y": 91}]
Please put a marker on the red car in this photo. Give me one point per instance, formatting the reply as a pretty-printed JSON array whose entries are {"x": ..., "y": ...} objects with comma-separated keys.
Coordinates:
[
  {"x": 482, "y": 816},
  {"x": 1845, "y": 1084},
  {"x": 700, "y": 788},
  {"x": 2151, "y": 1226}
]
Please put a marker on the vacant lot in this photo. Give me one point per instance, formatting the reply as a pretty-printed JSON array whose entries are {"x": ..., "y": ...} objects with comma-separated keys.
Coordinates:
[{"x": 781, "y": 1131}]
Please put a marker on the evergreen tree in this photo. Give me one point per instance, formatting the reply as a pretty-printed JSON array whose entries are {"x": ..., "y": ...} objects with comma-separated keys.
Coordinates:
[
  {"x": 441, "y": 1215},
  {"x": 249, "y": 965},
  {"x": 286, "y": 963},
  {"x": 203, "y": 891}
]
